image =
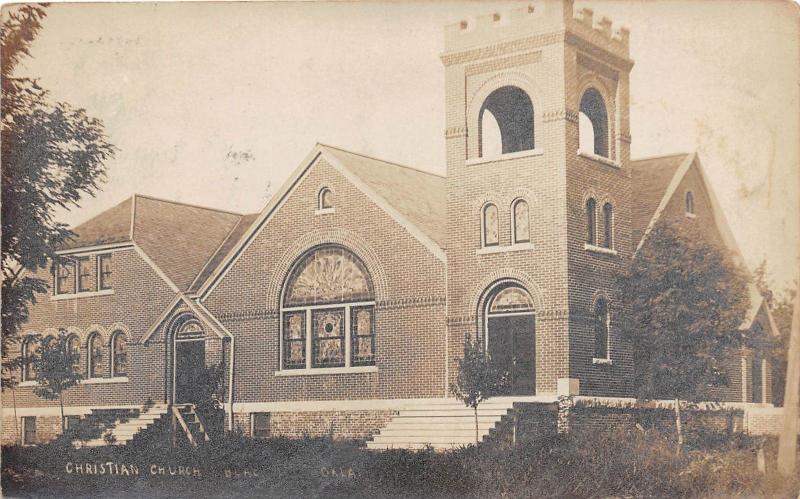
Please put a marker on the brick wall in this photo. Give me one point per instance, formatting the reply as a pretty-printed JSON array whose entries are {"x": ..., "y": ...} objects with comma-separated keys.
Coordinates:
[{"x": 409, "y": 290}]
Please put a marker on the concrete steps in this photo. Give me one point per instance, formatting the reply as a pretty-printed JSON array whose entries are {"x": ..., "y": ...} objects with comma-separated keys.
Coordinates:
[
  {"x": 123, "y": 432},
  {"x": 440, "y": 424}
]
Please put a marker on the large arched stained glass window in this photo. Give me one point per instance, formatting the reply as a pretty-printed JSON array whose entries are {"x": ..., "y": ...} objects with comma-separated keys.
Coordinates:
[
  {"x": 119, "y": 354},
  {"x": 328, "y": 312},
  {"x": 74, "y": 349}
]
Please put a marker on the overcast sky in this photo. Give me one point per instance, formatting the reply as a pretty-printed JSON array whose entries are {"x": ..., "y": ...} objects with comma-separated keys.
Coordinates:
[{"x": 216, "y": 103}]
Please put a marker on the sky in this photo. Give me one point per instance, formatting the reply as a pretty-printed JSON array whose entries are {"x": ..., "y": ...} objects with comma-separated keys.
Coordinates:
[{"x": 217, "y": 103}]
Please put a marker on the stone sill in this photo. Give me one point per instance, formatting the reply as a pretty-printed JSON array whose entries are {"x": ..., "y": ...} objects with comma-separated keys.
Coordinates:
[
  {"x": 325, "y": 211},
  {"x": 84, "y": 294},
  {"x": 100, "y": 381},
  {"x": 504, "y": 249},
  {"x": 599, "y": 159},
  {"x": 327, "y": 370},
  {"x": 690, "y": 215},
  {"x": 504, "y": 157},
  {"x": 602, "y": 362},
  {"x": 600, "y": 249}
]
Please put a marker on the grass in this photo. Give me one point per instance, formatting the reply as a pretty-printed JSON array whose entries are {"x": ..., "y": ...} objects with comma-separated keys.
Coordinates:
[{"x": 621, "y": 464}]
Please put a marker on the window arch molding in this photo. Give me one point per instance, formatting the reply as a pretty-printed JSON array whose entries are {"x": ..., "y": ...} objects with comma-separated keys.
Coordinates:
[
  {"x": 482, "y": 291},
  {"x": 325, "y": 199},
  {"x": 327, "y": 311},
  {"x": 479, "y": 96},
  {"x": 334, "y": 236}
]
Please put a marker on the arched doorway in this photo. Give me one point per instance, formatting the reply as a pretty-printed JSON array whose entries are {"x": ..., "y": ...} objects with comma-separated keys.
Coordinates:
[
  {"x": 510, "y": 325},
  {"x": 189, "y": 347}
]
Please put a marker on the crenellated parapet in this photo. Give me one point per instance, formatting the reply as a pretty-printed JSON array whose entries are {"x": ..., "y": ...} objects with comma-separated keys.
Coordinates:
[{"x": 536, "y": 19}]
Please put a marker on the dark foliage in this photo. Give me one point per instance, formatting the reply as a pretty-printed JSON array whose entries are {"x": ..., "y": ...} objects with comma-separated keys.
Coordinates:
[
  {"x": 622, "y": 464},
  {"x": 682, "y": 300},
  {"x": 52, "y": 155}
]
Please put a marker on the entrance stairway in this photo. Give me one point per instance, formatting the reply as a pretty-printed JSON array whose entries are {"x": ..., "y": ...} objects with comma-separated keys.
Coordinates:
[
  {"x": 125, "y": 429},
  {"x": 441, "y": 424}
]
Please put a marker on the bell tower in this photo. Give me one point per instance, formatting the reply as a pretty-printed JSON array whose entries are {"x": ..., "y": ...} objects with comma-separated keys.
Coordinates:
[{"x": 538, "y": 169}]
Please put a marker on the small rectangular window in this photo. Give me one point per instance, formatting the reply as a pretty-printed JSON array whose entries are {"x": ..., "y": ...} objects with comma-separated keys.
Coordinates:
[
  {"x": 85, "y": 277},
  {"x": 71, "y": 422},
  {"x": 29, "y": 430},
  {"x": 65, "y": 278},
  {"x": 104, "y": 271},
  {"x": 260, "y": 424}
]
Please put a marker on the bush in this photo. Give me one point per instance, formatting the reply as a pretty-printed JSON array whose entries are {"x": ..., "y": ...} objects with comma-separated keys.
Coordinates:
[{"x": 622, "y": 463}]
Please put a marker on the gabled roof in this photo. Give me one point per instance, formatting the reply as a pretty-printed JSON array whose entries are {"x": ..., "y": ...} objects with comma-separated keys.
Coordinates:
[
  {"x": 417, "y": 200},
  {"x": 650, "y": 175},
  {"x": 421, "y": 197},
  {"x": 179, "y": 238},
  {"x": 650, "y": 178}
]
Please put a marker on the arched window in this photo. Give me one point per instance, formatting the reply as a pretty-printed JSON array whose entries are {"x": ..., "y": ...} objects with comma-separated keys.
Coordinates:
[
  {"x": 30, "y": 349},
  {"x": 490, "y": 225},
  {"x": 602, "y": 321},
  {"x": 591, "y": 222},
  {"x": 94, "y": 362},
  {"x": 74, "y": 349},
  {"x": 608, "y": 226},
  {"x": 119, "y": 354},
  {"x": 521, "y": 222},
  {"x": 689, "y": 203},
  {"x": 509, "y": 110},
  {"x": 593, "y": 123},
  {"x": 329, "y": 300},
  {"x": 325, "y": 199}
]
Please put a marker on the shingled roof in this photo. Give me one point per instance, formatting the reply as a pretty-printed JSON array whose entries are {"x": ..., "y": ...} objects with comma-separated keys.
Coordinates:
[
  {"x": 650, "y": 178},
  {"x": 420, "y": 196},
  {"x": 180, "y": 238}
]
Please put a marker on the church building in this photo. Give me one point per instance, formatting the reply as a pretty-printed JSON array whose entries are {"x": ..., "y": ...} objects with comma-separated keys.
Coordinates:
[{"x": 350, "y": 296}]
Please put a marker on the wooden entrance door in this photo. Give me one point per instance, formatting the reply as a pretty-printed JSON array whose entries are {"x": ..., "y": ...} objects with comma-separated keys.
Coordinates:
[
  {"x": 512, "y": 347},
  {"x": 189, "y": 367}
]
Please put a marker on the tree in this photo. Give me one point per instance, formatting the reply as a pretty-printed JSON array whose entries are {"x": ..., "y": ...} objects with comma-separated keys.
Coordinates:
[
  {"x": 56, "y": 369},
  {"x": 52, "y": 155},
  {"x": 683, "y": 300},
  {"x": 478, "y": 379}
]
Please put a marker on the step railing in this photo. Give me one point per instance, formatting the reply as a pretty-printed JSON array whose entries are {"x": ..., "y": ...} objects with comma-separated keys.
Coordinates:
[{"x": 179, "y": 419}]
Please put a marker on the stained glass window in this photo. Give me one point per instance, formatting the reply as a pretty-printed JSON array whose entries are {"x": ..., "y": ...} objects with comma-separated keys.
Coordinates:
[
  {"x": 328, "y": 337},
  {"x": 511, "y": 299},
  {"x": 119, "y": 345},
  {"x": 522, "y": 227},
  {"x": 317, "y": 334},
  {"x": 491, "y": 229},
  {"x": 95, "y": 364},
  {"x": 294, "y": 340},
  {"x": 362, "y": 328},
  {"x": 328, "y": 275}
]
